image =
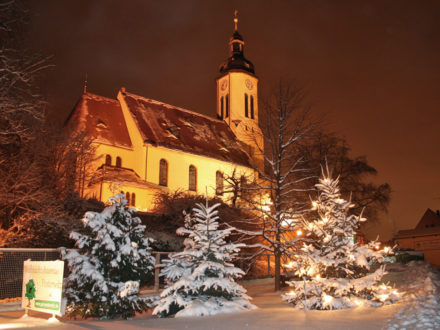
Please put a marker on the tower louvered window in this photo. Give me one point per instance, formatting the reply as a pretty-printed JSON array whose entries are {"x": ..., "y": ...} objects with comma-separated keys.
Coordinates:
[
  {"x": 118, "y": 162},
  {"x": 163, "y": 173},
  {"x": 246, "y": 106},
  {"x": 108, "y": 160},
  {"x": 133, "y": 199},
  {"x": 252, "y": 107}
]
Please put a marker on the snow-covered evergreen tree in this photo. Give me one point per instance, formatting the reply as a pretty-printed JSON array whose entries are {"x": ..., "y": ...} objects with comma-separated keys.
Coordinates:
[
  {"x": 335, "y": 271},
  {"x": 111, "y": 262},
  {"x": 202, "y": 278}
]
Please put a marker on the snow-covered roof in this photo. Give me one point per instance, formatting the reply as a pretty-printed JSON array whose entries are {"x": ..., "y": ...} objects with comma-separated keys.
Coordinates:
[
  {"x": 159, "y": 124},
  {"x": 102, "y": 118},
  {"x": 173, "y": 127},
  {"x": 108, "y": 173}
]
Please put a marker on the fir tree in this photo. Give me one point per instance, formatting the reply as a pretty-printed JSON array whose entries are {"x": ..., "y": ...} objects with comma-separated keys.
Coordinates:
[
  {"x": 202, "y": 278},
  {"x": 111, "y": 262},
  {"x": 335, "y": 271}
]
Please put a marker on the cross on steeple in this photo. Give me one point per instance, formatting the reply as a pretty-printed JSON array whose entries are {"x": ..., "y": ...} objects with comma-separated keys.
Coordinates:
[{"x": 236, "y": 19}]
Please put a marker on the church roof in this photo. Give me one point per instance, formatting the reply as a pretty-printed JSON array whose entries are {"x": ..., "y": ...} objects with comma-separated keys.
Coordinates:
[
  {"x": 176, "y": 128},
  {"x": 102, "y": 118},
  {"x": 159, "y": 124}
]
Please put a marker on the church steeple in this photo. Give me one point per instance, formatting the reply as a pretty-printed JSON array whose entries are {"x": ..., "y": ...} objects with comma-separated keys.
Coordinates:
[
  {"x": 236, "y": 60},
  {"x": 237, "y": 95}
]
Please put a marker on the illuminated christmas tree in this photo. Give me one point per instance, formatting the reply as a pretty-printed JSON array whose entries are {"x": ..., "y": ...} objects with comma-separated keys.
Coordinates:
[{"x": 334, "y": 269}]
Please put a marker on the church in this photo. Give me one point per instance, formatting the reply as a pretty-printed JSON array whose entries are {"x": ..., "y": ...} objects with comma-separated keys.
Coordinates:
[{"x": 145, "y": 147}]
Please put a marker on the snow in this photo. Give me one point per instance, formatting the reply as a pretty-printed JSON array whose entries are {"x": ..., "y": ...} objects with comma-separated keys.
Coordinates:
[{"x": 418, "y": 308}]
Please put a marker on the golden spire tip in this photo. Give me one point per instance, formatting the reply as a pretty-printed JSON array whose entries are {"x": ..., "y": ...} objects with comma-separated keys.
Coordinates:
[{"x": 236, "y": 19}]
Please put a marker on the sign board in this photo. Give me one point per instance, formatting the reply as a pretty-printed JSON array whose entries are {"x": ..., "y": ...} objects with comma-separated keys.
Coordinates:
[{"x": 43, "y": 286}]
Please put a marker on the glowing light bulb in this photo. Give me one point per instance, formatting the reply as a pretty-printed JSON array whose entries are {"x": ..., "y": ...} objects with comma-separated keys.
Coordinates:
[
  {"x": 358, "y": 302},
  {"x": 291, "y": 293},
  {"x": 351, "y": 257},
  {"x": 386, "y": 249},
  {"x": 327, "y": 299},
  {"x": 325, "y": 220},
  {"x": 383, "y": 286},
  {"x": 299, "y": 232},
  {"x": 395, "y": 292},
  {"x": 314, "y": 205},
  {"x": 318, "y": 277},
  {"x": 383, "y": 297},
  {"x": 310, "y": 226}
]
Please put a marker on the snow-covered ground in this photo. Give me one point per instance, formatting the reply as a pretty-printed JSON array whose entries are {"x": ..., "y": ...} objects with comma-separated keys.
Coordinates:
[{"x": 418, "y": 308}]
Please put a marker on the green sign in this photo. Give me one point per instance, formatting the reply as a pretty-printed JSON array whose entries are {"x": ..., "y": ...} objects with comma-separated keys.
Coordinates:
[{"x": 47, "y": 304}]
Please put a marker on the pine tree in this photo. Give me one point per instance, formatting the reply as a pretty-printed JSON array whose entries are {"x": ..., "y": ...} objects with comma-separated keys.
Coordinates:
[
  {"x": 333, "y": 268},
  {"x": 202, "y": 278},
  {"x": 111, "y": 262}
]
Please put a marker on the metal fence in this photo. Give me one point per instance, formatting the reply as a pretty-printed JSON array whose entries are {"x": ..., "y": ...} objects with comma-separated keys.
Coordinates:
[{"x": 11, "y": 267}]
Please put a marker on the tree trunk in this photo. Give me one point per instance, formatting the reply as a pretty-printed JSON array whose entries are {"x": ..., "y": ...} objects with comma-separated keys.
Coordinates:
[{"x": 277, "y": 270}]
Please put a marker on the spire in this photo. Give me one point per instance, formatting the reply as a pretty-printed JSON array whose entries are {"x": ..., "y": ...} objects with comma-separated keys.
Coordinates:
[
  {"x": 236, "y": 60},
  {"x": 85, "y": 84}
]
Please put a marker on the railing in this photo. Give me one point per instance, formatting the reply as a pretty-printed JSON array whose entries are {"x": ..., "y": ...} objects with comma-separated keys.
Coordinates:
[{"x": 11, "y": 267}]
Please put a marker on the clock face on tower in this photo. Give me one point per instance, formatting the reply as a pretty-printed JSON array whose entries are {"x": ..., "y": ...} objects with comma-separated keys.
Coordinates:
[
  {"x": 249, "y": 84},
  {"x": 224, "y": 85}
]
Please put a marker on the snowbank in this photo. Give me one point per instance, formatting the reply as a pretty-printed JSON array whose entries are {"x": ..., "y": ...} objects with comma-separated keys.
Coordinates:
[{"x": 421, "y": 301}]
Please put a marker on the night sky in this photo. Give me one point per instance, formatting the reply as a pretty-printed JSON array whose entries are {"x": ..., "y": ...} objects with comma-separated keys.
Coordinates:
[{"x": 371, "y": 67}]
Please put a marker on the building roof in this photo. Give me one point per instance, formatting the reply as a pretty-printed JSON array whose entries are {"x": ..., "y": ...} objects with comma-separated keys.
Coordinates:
[
  {"x": 159, "y": 124},
  {"x": 236, "y": 60},
  {"x": 102, "y": 118},
  {"x": 428, "y": 225},
  {"x": 107, "y": 173},
  {"x": 176, "y": 128}
]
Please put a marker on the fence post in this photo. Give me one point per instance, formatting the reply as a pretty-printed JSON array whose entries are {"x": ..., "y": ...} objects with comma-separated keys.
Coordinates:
[
  {"x": 156, "y": 272},
  {"x": 268, "y": 265}
]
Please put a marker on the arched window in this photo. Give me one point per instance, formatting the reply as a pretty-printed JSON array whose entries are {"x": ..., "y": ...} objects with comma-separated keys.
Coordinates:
[
  {"x": 219, "y": 183},
  {"x": 163, "y": 173},
  {"x": 227, "y": 106},
  {"x": 221, "y": 107},
  {"x": 252, "y": 107},
  {"x": 192, "y": 183},
  {"x": 127, "y": 197},
  {"x": 246, "y": 106},
  {"x": 108, "y": 160},
  {"x": 133, "y": 199},
  {"x": 118, "y": 162}
]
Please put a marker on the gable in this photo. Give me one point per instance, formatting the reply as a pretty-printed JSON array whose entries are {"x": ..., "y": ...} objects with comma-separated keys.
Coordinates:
[
  {"x": 429, "y": 220},
  {"x": 102, "y": 118}
]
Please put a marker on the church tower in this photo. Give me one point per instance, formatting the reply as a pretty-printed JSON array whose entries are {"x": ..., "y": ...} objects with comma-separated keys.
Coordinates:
[{"x": 237, "y": 96}]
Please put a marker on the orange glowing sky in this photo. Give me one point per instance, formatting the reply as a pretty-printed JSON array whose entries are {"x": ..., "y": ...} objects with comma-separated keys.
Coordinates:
[{"x": 372, "y": 66}]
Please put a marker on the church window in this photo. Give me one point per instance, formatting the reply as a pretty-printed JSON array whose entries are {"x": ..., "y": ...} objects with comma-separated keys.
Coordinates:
[
  {"x": 127, "y": 197},
  {"x": 163, "y": 173},
  {"x": 221, "y": 107},
  {"x": 118, "y": 162},
  {"x": 252, "y": 107},
  {"x": 192, "y": 186},
  {"x": 246, "y": 106},
  {"x": 108, "y": 160},
  {"x": 227, "y": 106},
  {"x": 133, "y": 199},
  {"x": 219, "y": 183}
]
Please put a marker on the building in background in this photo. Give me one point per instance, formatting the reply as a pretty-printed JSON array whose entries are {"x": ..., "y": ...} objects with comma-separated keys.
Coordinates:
[
  {"x": 425, "y": 237},
  {"x": 146, "y": 146}
]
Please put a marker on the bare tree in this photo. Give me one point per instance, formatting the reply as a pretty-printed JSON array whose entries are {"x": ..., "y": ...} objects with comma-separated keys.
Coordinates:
[
  {"x": 285, "y": 121},
  {"x": 369, "y": 198}
]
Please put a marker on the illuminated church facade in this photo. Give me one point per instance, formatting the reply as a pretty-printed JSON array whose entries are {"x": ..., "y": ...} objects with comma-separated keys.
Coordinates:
[{"x": 146, "y": 147}]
